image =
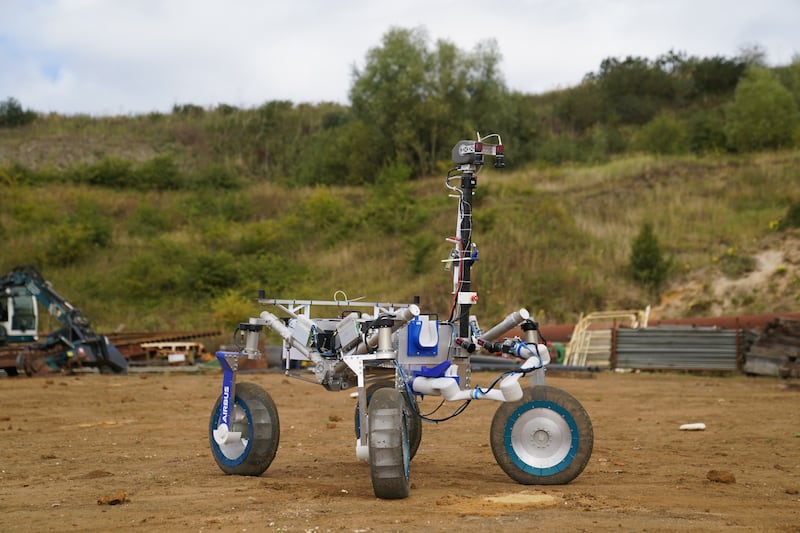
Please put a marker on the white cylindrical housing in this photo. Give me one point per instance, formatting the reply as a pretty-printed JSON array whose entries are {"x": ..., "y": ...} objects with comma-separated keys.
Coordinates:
[
  {"x": 385, "y": 341},
  {"x": 447, "y": 387},
  {"x": 274, "y": 323},
  {"x": 512, "y": 320},
  {"x": 251, "y": 343},
  {"x": 404, "y": 315}
]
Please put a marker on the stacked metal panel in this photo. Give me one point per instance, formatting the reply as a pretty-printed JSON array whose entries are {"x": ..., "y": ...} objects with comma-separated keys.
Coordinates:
[{"x": 677, "y": 348}]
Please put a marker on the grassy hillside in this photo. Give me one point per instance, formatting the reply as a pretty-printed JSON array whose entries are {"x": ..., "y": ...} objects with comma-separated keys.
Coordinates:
[
  {"x": 555, "y": 240},
  {"x": 176, "y": 220}
]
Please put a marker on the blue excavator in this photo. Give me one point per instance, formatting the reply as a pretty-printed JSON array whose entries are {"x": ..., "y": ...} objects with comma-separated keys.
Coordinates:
[{"x": 72, "y": 346}]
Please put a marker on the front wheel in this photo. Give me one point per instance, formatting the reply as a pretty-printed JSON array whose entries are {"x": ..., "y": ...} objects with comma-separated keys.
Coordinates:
[
  {"x": 389, "y": 455},
  {"x": 546, "y": 438},
  {"x": 255, "y": 418}
]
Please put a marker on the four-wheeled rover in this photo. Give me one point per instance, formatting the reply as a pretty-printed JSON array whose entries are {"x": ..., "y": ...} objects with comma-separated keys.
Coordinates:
[{"x": 396, "y": 353}]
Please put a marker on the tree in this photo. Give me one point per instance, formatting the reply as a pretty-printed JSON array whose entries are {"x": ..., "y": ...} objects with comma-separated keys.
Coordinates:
[
  {"x": 419, "y": 101},
  {"x": 715, "y": 75},
  {"x": 390, "y": 92},
  {"x": 763, "y": 114},
  {"x": 647, "y": 264},
  {"x": 12, "y": 115},
  {"x": 635, "y": 89},
  {"x": 487, "y": 106},
  {"x": 580, "y": 107},
  {"x": 790, "y": 77},
  {"x": 753, "y": 54}
]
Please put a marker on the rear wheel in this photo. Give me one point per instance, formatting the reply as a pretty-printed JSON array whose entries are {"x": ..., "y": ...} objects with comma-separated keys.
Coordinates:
[
  {"x": 546, "y": 438},
  {"x": 255, "y": 418},
  {"x": 389, "y": 456}
]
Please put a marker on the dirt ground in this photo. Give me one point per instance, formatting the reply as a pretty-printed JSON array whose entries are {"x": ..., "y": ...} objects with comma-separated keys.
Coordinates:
[{"x": 91, "y": 452}]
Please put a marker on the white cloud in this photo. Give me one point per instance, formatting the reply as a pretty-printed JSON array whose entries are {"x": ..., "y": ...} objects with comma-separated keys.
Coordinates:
[{"x": 107, "y": 57}]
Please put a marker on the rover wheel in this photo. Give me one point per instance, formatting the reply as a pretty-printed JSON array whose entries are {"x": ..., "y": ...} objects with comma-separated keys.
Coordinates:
[
  {"x": 389, "y": 456},
  {"x": 545, "y": 438},
  {"x": 413, "y": 421},
  {"x": 255, "y": 417}
]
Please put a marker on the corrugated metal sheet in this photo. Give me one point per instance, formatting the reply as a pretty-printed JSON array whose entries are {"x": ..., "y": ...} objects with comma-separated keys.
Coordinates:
[{"x": 677, "y": 347}]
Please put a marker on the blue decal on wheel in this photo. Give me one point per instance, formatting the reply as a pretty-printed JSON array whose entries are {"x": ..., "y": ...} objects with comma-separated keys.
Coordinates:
[{"x": 216, "y": 449}]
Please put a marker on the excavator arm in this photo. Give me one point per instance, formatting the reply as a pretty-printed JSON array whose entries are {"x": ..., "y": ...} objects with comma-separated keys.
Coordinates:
[{"x": 75, "y": 343}]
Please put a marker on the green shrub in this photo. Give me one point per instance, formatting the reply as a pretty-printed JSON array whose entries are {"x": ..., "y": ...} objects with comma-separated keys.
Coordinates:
[
  {"x": 80, "y": 235},
  {"x": 15, "y": 174},
  {"x": 149, "y": 275},
  {"x": 190, "y": 110},
  {"x": 231, "y": 308},
  {"x": 735, "y": 265},
  {"x": 647, "y": 264},
  {"x": 211, "y": 203},
  {"x": 324, "y": 160},
  {"x": 706, "y": 131},
  {"x": 108, "y": 172},
  {"x": 147, "y": 221},
  {"x": 665, "y": 135},
  {"x": 792, "y": 217},
  {"x": 600, "y": 144},
  {"x": 158, "y": 173},
  {"x": 393, "y": 209},
  {"x": 226, "y": 109},
  {"x": 327, "y": 215},
  {"x": 346, "y": 154},
  {"x": 72, "y": 241},
  {"x": 420, "y": 258},
  {"x": 277, "y": 274},
  {"x": 264, "y": 236},
  {"x": 558, "y": 149},
  {"x": 180, "y": 270},
  {"x": 218, "y": 176},
  {"x": 210, "y": 272}
]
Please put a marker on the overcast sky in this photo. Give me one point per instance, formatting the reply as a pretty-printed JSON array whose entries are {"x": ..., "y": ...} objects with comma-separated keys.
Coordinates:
[{"x": 119, "y": 57}]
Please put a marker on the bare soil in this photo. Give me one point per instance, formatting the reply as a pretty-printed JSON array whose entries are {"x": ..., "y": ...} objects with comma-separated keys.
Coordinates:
[
  {"x": 773, "y": 285},
  {"x": 91, "y": 452}
]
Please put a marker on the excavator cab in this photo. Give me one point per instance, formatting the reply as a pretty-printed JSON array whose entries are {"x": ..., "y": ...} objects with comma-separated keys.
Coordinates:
[{"x": 19, "y": 316}]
